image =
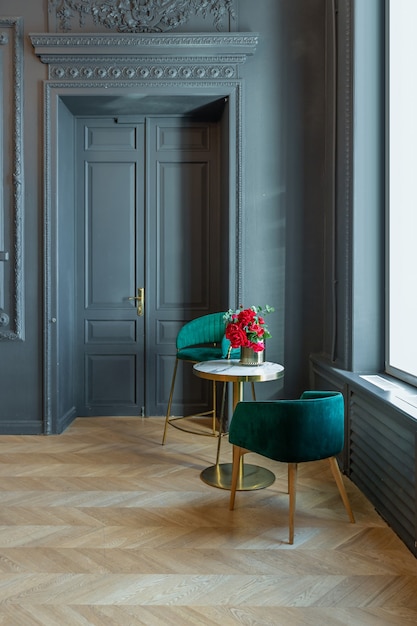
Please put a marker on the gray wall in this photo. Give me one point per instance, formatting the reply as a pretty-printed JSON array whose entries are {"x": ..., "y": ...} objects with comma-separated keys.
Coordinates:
[
  {"x": 284, "y": 192},
  {"x": 21, "y": 390},
  {"x": 285, "y": 167}
]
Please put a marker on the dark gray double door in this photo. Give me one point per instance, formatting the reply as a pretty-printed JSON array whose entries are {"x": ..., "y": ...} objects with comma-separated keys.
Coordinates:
[{"x": 148, "y": 226}]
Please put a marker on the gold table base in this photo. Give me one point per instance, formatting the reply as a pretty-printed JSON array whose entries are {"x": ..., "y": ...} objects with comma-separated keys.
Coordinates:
[{"x": 252, "y": 477}]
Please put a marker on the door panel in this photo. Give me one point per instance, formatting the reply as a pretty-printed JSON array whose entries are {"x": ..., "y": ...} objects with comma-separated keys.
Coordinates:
[
  {"x": 148, "y": 216},
  {"x": 183, "y": 217},
  {"x": 110, "y": 380},
  {"x": 110, "y": 237},
  {"x": 110, "y": 257},
  {"x": 183, "y": 250}
]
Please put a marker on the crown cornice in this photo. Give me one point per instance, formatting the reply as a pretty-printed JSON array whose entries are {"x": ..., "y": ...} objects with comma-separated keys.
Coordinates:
[{"x": 196, "y": 44}]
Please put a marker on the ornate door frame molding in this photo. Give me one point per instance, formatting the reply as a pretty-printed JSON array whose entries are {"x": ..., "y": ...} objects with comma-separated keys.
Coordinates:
[{"x": 146, "y": 64}]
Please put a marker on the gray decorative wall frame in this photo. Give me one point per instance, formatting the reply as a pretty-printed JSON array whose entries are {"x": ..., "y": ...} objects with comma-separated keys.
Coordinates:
[
  {"x": 137, "y": 16},
  {"x": 11, "y": 196}
]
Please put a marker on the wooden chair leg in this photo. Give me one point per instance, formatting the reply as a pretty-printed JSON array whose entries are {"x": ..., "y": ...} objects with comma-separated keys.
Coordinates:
[
  {"x": 237, "y": 453},
  {"x": 339, "y": 482},
  {"x": 171, "y": 395},
  {"x": 292, "y": 486}
]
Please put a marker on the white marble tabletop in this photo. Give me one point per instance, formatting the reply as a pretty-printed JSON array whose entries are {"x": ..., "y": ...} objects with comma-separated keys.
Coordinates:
[{"x": 233, "y": 370}]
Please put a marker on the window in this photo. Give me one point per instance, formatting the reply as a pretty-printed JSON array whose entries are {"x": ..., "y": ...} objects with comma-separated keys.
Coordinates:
[{"x": 402, "y": 190}]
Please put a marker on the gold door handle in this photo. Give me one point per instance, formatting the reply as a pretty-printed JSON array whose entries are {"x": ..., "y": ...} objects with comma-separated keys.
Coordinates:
[{"x": 140, "y": 300}]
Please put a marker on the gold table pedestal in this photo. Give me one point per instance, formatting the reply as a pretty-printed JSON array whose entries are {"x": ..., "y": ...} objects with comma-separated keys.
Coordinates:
[{"x": 251, "y": 477}]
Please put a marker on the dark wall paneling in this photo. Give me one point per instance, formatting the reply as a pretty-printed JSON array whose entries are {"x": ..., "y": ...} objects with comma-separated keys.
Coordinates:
[
  {"x": 382, "y": 463},
  {"x": 328, "y": 382},
  {"x": 11, "y": 190},
  {"x": 381, "y": 447}
]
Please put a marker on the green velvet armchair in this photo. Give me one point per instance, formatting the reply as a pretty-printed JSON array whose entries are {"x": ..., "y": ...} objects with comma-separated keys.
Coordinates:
[
  {"x": 201, "y": 339},
  {"x": 291, "y": 431}
]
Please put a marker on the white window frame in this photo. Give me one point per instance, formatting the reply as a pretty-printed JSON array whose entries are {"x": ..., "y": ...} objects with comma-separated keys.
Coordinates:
[{"x": 401, "y": 178}]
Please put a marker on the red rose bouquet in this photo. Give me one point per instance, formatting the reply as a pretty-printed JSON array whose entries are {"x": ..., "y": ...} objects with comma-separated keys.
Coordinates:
[{"x": 246, "y": 328}]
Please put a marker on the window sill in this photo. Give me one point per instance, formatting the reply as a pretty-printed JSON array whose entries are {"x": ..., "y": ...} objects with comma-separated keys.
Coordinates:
[{"x": 393, "y": 392}]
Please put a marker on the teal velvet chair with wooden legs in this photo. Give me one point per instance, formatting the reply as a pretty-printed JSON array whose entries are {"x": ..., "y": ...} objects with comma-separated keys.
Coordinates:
[
  {"x": 308, "y": 429},
  {"x": 201, "y": 339}
]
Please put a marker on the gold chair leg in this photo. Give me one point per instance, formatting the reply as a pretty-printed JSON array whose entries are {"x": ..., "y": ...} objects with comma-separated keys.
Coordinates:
[
  {"x": 171, "y": 395},
  {"x": 292, "y": 484},
  {"x": 214, "y": 400},
  {"x": 339, "y": 482}
]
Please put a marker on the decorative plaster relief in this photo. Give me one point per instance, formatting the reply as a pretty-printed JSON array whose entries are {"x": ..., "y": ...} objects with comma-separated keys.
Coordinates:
[
  {"x": 153, "y": 70},
  {"x": 137, "y": 16},
  {"x": 11, "y": 191}
]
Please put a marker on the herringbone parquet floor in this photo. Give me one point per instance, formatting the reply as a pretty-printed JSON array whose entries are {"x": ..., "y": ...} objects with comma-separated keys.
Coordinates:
[{"x": 102, "y": 525}]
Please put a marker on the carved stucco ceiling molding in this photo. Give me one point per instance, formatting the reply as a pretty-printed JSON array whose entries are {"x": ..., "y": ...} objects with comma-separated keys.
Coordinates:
[{"x": 137, "y": 16}]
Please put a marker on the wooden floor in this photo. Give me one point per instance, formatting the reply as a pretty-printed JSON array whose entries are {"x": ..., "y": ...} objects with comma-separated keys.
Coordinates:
[{"x": 102, "y": 525}]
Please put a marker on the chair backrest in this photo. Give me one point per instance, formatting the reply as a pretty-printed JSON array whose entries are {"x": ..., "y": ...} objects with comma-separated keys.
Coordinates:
[
  {"x": 202, "y": 330},
  {"x": 291, "y": 431},
  {"x": 227, "y": 351}
]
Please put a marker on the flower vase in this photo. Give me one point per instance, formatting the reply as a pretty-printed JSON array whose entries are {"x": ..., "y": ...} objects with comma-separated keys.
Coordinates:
[{"x": 250, "y": 357}]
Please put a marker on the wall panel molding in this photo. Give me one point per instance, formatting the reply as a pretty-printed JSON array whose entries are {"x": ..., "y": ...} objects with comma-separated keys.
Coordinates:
[{"x": 11, "y": 198}]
